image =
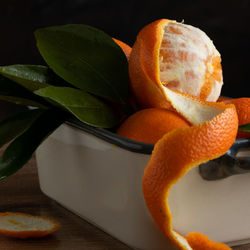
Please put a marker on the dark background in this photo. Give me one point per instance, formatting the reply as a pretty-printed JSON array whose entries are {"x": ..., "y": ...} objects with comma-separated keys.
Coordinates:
[{"x": 225, "y": 22}]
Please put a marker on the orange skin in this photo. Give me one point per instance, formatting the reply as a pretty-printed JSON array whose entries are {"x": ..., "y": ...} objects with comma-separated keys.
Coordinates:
[
  {"x": 149, "y": 125},
  {"x": 125, "y": 48},
  {"x": 199, "y": 241},
  {"x": 243, "y": 110},
  {"x": 223, "y": 98},
  {"x": 29, "y": 234},
  {"x": 179, "y": 151},
  {"x": 144, "y": 67}
]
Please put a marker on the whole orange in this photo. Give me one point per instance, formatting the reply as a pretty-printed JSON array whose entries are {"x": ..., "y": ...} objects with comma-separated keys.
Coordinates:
[{"x": 149, "y": 125}]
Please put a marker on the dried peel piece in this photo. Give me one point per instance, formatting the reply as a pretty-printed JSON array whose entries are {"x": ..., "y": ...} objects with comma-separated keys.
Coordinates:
[
  {"x": 180, "y": 150},
  {"x": 22, "y": 226}
]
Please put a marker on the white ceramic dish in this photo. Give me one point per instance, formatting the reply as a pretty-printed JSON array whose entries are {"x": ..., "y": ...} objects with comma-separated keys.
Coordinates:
[{"x": 101, "y": 182}]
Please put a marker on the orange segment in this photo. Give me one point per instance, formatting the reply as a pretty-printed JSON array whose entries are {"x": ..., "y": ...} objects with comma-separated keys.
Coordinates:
[
  {"x": 149, "y": 125},
  {"x": 178, "y": 151},
  {"x": 20, "y": 225},
  {"x": 179, "y": 56}
]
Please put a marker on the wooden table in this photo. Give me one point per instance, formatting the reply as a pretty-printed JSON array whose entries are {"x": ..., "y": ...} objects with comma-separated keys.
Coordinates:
[{"x": 21, "y": 193}]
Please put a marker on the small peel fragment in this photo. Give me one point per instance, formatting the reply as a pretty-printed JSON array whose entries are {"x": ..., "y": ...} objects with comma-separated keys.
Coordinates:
[
  {"x": 213, "y": 133},
  {"x": 23, "y": 226},
  {"x": 242, "y": 106},
  {"x": 125, "y": 48}
]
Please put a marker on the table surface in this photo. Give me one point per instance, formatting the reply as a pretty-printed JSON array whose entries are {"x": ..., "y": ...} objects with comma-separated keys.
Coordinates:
[{"x": 21, "y": 193}]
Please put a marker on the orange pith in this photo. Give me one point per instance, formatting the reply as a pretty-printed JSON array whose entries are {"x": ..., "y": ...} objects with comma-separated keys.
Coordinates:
[
  {"x": 164, "y": 55},
  {"x": 149, "y": 125},
  {"x": 182, "y": 149}
]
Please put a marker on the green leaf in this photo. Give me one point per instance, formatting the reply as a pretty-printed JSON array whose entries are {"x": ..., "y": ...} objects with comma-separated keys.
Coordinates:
[
  {"x": 245, "y": 127},
  {"x": 31, "y": 77},
  {"x": 87, "y": 58},
  {"x": 15, "y": 125},
  {"x": 23, "y": 147},
  {"x": 84, "y": 106},
  {"x": 12, "y": 92},
  {"x": 21, "y": 101}
]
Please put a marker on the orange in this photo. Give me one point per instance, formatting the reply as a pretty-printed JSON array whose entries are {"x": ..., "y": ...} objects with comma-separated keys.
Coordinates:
[
  {"x": 23, "y": 226},
  {"x": 243, "y": 110},
  {"x": 213, "y": 133},
  {"x": 149, "y": 125},
  {"x": 125, "y": 48},
  {"x": 177, "y": 56}
]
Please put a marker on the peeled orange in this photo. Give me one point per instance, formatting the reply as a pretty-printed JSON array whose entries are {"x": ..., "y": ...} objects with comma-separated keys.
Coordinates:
[{"x": 174, "y": 55}]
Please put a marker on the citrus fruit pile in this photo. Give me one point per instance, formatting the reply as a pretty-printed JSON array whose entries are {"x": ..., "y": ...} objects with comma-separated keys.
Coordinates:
[{"x": 176, "y": 79}]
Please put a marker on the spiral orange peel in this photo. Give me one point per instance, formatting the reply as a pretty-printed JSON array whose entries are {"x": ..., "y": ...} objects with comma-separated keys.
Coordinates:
[
  {"x": 199, "y": 241},
  {"x": 213, "y": 132}
]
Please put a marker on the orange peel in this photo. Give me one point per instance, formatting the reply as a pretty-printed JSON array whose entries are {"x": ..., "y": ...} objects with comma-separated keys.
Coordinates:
[
  {"x": 125, "y": 48},
  {"x": 213, "y": 132},
  {"x": 174, "y": 55},
  {"x": 23, "y": 226},
  {"x": 242, "y": 106},
  {"x": 199, "y": 241}
]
